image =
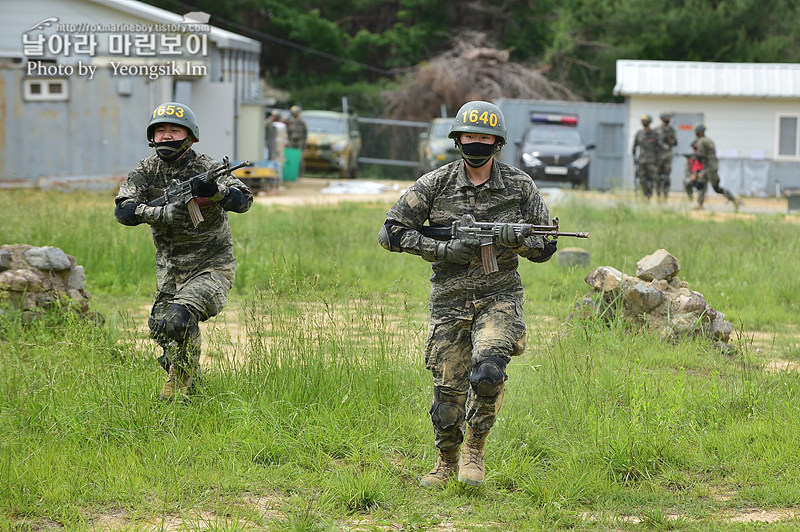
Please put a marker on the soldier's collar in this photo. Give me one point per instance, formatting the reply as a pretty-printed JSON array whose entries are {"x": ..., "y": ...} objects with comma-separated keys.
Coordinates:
[{"x": 495, "y": 181}]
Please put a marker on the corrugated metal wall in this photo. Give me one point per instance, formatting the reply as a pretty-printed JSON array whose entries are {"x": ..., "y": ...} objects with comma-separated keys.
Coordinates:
[{"x": 94, "y": 133}]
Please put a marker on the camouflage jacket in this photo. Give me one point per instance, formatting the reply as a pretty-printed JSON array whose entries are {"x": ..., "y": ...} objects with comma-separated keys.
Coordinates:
[
  {"x": 296, "y": 131},
  {"x": 647, "y": 146},
  {"x": 443, "y": 196},
  {"x": 183, "y": 251},
  {"x": 668, "y": 138},
  {"x": 707, "y": 153}
]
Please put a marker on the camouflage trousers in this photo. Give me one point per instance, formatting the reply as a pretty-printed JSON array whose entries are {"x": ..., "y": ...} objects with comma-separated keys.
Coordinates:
[
  {"x": 711, "y": 177},
  {"x": 663, "y": 179},
  {"x": 453, "y": 350},
  {"x": 204, "y": 295},
  {"x": 648, "y": 176}
]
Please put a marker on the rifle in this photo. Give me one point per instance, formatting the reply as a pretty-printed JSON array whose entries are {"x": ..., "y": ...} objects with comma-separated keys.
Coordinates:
[
  {"x": 181, "y": 191},
  {"x": 487, "y": 232}
]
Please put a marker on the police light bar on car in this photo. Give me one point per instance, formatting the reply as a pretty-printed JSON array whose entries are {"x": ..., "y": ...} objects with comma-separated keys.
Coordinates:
[{"x": 544, "y": 118}]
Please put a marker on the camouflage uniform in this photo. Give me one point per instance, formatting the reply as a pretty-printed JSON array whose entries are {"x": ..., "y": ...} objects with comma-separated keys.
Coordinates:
[
  {"x": 666, "y": 133},
  {"x": 474, "y": 316},
  {"x": 707, "y": 153},
  {"x": 195, "y": 267},
  {"x": 648, "y": 146},
  {"x": 297, "y": 132}
]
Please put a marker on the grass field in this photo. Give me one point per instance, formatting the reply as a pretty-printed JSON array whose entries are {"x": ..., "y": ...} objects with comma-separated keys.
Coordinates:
[{"x": 313, "y": 411}]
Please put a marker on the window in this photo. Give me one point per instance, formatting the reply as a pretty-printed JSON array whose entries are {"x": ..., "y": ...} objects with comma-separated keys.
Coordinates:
[
  {"x": 41, "y": 89},
  {"x": 788, "y": 137}
]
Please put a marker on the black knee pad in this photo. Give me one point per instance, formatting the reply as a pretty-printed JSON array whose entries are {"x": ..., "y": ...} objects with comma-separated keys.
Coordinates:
[
  {"x": 179, "y": 323},
  {"x": 447, "y": 411},
  {"x": 488, "y": 376},
  {"x": 157, "y": 327}
]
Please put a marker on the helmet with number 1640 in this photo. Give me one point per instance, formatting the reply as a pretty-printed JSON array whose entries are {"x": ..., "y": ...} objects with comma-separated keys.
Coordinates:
[
  {"x": 480, "y": 117},
  {"x": 173, "y": 113}
]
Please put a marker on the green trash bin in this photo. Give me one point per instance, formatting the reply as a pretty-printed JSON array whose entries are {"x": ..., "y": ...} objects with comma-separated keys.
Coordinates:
[{"x": 291, "y": 163}]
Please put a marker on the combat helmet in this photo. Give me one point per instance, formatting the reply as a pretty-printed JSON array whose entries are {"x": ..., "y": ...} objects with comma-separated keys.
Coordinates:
[
  {"x": 479, "y": 117},
  {"x": 646, "y": 118},
  {"x": 700, "y": 128},
  {"x": 666, "y": 116},
  {"x": 173, "y": 113}
]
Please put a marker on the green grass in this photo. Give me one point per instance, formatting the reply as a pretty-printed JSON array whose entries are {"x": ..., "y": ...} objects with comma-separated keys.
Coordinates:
[{"x": 319, "y": 421}]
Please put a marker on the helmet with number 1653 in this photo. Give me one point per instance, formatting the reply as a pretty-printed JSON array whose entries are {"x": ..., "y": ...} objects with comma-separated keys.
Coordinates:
[
  {"x": 480, "y": 117},
  {"x": 173, "y": 113}
]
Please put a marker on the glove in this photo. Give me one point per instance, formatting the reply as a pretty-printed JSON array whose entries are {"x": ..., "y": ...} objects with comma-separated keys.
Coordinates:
[
  {"x": 510, "y": 239},
  {"x": 174, "y": 213},
  {"x": 203, "y": 189},
  {"x": 456, "y": 251},
  {"x": 550, "y": 248}
]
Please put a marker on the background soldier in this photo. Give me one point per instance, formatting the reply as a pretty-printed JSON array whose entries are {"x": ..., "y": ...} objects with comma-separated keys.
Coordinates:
[
  {"x": 694, "y": 165},
  {"x": 646, "y": 153},
  {"x": 195, "y": 266},
  {"x": 476, "y": 322},
  {"x": 297, "y": 132},
  {"x": 707, "y": 153},
  {"x": 666, "y": 134}
]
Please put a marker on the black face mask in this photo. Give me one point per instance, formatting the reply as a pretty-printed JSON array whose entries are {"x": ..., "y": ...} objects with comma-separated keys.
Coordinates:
[
  {"x": 476, "y": 154},
  {"x": 172, "y": 150}
]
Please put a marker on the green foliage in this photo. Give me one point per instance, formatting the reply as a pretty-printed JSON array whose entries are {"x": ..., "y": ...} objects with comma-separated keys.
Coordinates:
[{"x": 354, "y": 43}]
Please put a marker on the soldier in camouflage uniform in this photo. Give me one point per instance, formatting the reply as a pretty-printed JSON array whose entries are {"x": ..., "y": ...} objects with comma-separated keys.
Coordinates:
[
  {"x": 666, "y": 134},
  {"x": 297, "y": 133},
  {"x": 195, "y": 267},
  {"x": 646, "y": 155},
  {"x": 707, "y": 153},
  {"x": 476, "y": 322}
]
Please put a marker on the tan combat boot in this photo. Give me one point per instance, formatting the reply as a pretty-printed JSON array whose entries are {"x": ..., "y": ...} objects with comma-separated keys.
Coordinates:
[
  {"x": 470, "y": 468},
  {"x": 446, "y": 467},
  {"x": 179, "y": 383}
]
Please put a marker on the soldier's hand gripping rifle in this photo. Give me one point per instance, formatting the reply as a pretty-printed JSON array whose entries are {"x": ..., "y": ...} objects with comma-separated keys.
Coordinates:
[
  {"x": 487, "y": 232},
  {"x": 181, "y": 191}
]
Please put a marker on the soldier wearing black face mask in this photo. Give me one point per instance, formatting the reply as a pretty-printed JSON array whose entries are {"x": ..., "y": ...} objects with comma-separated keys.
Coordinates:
[
  {"x": 476, "y": 322},
  {"x": 195, "y": 267}
]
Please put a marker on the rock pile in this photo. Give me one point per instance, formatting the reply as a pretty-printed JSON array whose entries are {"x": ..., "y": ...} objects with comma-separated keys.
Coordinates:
[
  {"x": 33, "y": 279},
  {"x": 656, "y": 298}
]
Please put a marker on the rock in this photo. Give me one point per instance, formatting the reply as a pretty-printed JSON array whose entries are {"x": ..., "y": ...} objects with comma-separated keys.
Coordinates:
[
  {"x": 77, "y": 278},
  {"x": 573, "y": 257},
  {"x": 47, "y": 258},
  {"x": 659, "y": 265},
  {"x": 5, "y": 260},
  {"x": 33, "y": 279},
  {"x": 605, "y": 278},
  {"x": 655, "y": 299},
  {"x": 644, "y": 297}
]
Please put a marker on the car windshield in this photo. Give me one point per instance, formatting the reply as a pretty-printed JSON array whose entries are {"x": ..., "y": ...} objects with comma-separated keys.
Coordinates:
[
  {"x": 553, "y": 135},
  {"x": 441, "y": 129},
  {"x": 324, "y": 124}
]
